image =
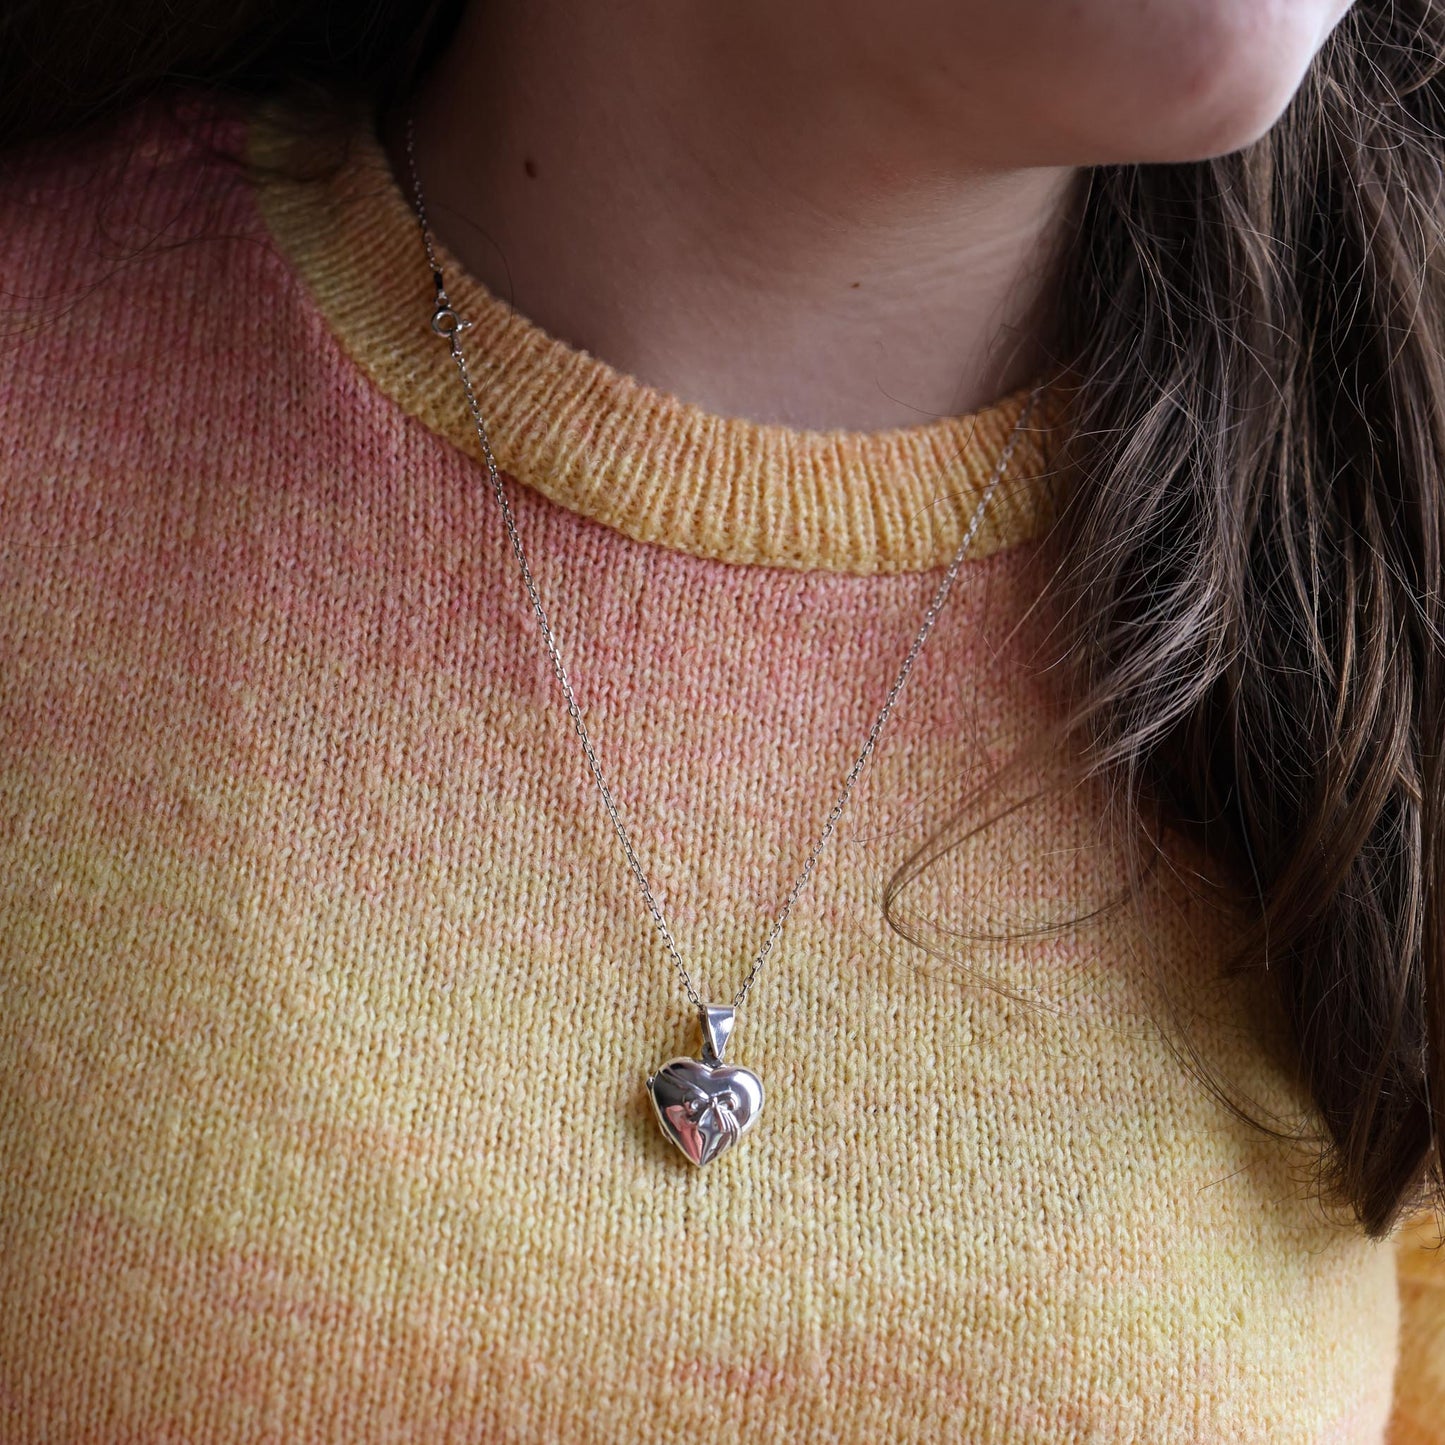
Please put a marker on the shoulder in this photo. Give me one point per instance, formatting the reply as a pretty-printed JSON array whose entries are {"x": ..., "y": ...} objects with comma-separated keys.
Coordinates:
[
  {"x": 152, "y": 221},
  {"x": 140, "y": 290},
  {"x": 82, "y": 209},
  {"x": 111, "y": 238},
  {"x": 158, "y": 348},
  {"x": 115, "y": 241}
]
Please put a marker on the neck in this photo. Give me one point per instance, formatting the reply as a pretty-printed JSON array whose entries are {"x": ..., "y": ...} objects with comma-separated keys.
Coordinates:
[{"x": 734, "y": 214}]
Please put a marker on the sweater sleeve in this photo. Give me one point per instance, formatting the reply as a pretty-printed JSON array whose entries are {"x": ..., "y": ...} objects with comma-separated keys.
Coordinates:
[{"x": 1419, "y": 1410}]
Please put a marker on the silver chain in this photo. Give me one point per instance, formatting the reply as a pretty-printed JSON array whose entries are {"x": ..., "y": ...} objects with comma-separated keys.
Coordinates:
[{"x": 449, "y": 325}]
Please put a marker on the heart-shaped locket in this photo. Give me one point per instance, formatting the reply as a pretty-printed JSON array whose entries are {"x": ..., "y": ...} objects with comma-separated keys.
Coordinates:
[{"x": 704, "y": 1105}]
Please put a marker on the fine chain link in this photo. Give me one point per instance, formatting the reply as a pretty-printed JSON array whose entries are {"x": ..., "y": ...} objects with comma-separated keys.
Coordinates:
[{"x": 449, "y": 325}]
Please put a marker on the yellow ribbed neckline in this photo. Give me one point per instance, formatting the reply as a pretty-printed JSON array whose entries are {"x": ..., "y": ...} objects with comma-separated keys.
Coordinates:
[{"x": 598, "y": 441}]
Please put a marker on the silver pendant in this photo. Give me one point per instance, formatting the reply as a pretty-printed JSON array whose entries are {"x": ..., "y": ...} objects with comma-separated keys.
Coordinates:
[{"x": 704, "y": 1105}]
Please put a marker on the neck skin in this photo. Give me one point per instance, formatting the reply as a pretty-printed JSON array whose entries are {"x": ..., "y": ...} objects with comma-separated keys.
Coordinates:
[{"x": 736, "y": 212}]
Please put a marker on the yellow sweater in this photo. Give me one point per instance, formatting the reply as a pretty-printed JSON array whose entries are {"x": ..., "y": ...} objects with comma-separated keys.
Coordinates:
[{"x": 329, "y": 998}]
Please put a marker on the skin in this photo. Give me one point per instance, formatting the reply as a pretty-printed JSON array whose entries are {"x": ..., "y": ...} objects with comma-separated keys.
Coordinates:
[{"x": 821, "y": 214}]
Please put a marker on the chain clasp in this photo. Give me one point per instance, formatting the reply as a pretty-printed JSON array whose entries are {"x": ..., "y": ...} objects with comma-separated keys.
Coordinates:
[{"x": 446, "y": 322}]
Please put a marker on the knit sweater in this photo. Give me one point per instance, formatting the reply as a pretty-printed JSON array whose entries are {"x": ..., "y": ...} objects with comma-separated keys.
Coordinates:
[{"x": 329, "y": 997}]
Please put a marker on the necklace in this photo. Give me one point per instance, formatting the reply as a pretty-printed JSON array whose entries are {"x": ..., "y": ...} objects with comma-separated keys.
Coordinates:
[{"x": 703, "y": 1105}]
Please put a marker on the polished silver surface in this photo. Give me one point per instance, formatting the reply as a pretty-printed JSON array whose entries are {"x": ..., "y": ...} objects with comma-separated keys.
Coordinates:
[
  {"x": 704, "y": 1105},
  {"x": 717, "y": 1026}
]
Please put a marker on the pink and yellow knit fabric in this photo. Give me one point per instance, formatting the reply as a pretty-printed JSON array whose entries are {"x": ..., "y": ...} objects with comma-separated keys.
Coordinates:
[{"x": 328, "y": 997}]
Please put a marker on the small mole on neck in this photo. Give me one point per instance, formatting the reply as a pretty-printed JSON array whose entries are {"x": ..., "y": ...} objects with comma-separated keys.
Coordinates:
[{"x": 530, "y": 166}]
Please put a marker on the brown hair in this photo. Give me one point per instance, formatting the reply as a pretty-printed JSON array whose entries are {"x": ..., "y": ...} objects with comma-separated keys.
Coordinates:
[
  {"x": 1253, "y": 532},
  {"x": 1255, "y": 553}
]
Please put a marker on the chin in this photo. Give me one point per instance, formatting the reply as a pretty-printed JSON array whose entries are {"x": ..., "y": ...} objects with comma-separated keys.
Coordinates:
[
  {"x": 1164, "y": 82},
  {"x": 1229, "y": 87}
]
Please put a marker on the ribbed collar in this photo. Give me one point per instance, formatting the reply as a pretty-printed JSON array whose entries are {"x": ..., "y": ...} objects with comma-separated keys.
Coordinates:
[{"x": 598, "y": 441}]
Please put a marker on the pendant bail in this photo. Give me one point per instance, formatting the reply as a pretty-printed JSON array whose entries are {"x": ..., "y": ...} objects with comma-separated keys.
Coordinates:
[{"x": 717, "y": 1027}]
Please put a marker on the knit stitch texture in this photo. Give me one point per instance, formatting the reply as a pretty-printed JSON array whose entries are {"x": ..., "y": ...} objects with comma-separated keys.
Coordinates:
[{"x": 329, "y": 998}]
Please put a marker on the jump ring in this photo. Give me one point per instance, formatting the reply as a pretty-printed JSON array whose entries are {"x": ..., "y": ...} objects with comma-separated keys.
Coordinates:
[{"x": 445, "y": 321}]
